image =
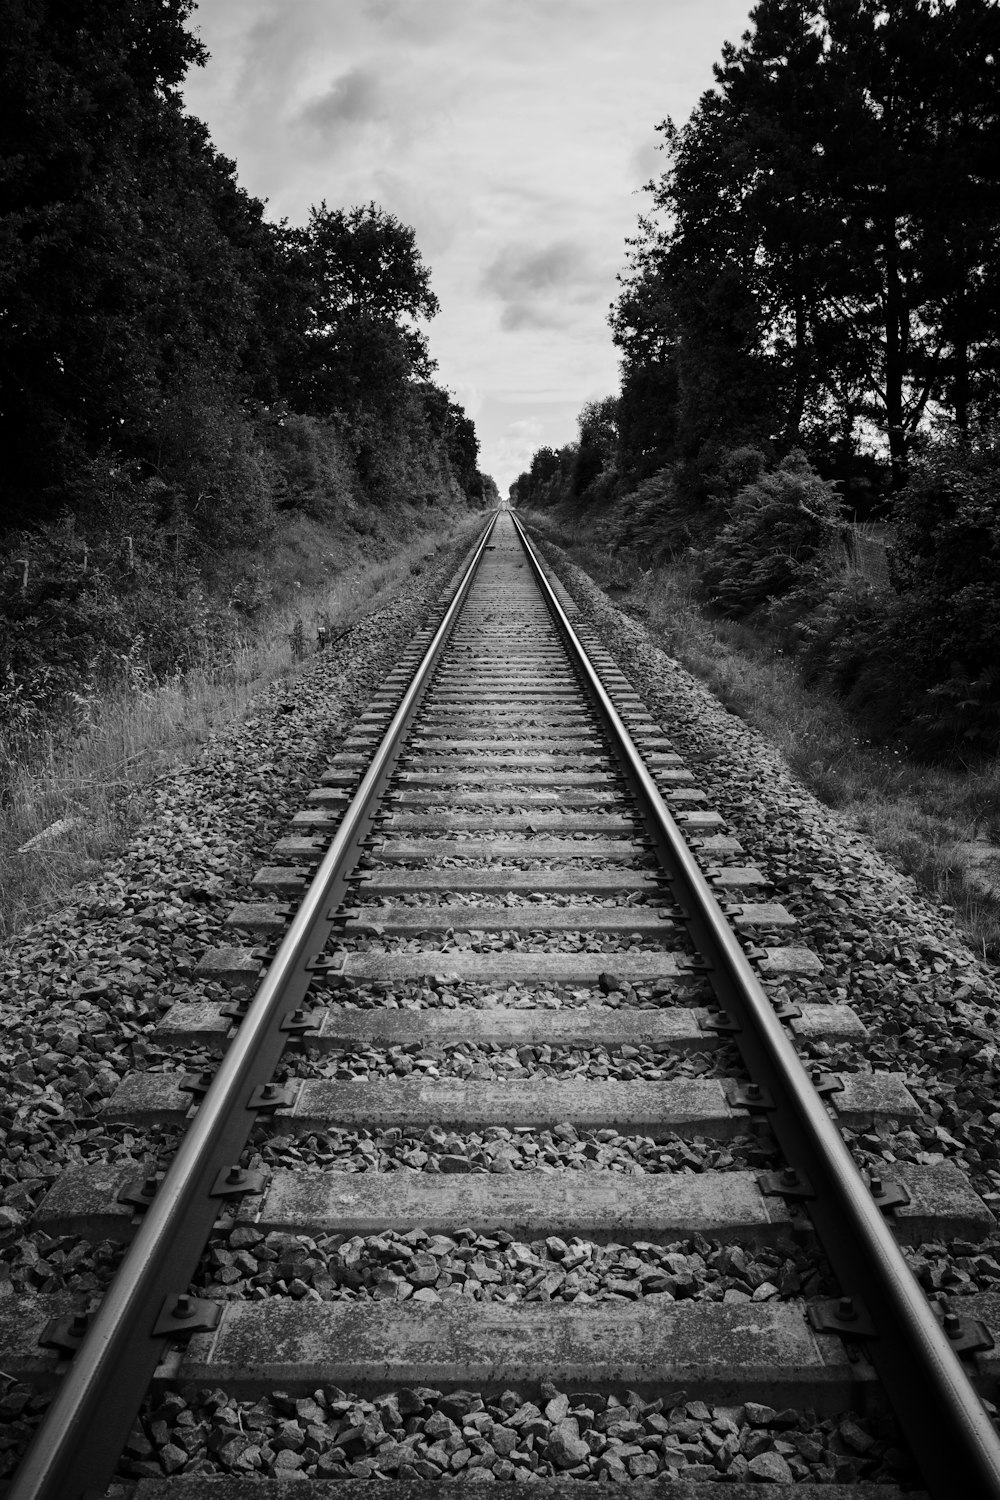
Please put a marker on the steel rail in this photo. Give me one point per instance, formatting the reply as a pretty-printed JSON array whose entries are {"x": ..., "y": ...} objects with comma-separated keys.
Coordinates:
[
  {"x": 76, "y": 1447},
  {"x": 950, "y": 1433}
]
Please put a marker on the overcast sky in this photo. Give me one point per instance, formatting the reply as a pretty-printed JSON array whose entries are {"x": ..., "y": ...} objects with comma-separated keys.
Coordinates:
[{"x": 513, "y": 135}]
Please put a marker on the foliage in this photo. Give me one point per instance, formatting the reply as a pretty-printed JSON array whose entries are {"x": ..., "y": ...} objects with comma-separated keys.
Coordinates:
[
  {"x": 213, "y": 479},
  {"x": 132, "y": 261},
  {"x": 943, "y": 633},
  {"x": 919, "y": 661},
  {"x": 365, "y": 287},
  {"x": 546, "y": 482},
  {"x": 778, "y": 527},
  {"x": 647, "y": 418},
  {"x": 819, "y": 263},
  {"x": 78, "y": 614},
  {"x": 597, "y": 448},
  {"x": 830, "y": 622},
  {"x": 150, "y": 310},
  {"x": 582, "y": 474},
  {"x": 174, "y": 369},
  {"x": 316, "y": 472},
  {"x": 448, "y": 424},
  {"x": 655, "y": 520},
  {"x": 818, "y": 275}
]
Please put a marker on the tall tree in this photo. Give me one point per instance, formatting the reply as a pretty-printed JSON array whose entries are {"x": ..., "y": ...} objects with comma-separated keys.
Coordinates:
[
  {"x": 131, "y": 258},
  {"x": 597, "y": 448},
  {"x": 367, "y": 288},
  {"x": 823, "y": 243},
  {"x": 645, "y": 329},
  {"x": 456, "y": 432},
  {"x": 959, "y": 201}
]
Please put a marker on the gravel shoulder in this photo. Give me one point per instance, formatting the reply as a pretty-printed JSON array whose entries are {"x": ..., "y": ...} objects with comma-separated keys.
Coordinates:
[
  {"x": 931, "y": 1005},
  {"x": 81, "y": 990}
]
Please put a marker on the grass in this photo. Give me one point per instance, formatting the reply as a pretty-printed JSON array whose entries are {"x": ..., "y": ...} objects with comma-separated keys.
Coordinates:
[
  {"x": 93, "y": 778},
  {"x": 932, "y": 822}
]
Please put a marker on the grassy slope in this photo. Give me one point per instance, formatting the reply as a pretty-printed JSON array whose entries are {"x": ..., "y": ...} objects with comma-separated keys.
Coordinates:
[
  {"x": 934, "y": 823},
  {"x": 94, "y": 779}
]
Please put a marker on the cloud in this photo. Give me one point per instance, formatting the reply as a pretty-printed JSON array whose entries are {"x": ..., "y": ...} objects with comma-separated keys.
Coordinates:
[
  {"x": 516, "y": 447},
  {"x": 647, "y": 162},
  {"x": 381, "y": 111},
  {"x": 524, "y": 271},
  {"x": 469, "y": 397},
  {"x": 428, "y": 22},
  {"x": 519, "y": 315},
  {"x": 353, "y": 99},
  {"x": 539, "y": 287}
]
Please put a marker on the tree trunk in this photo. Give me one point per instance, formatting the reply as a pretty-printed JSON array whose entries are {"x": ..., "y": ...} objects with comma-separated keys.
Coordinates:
[
  {"x": 960, "y": 341},
  {"x": 895, "y": 365},
  {"x": 800, "y": 353}
]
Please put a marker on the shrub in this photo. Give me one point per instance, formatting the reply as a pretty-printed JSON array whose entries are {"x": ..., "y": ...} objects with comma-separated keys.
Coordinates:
[
  {"x": 218, "y": 478},
  {"x": 831, "y": 622},
  {"x": 717, "y": 472},
  {"x": 779, "y": 528},
  {"x": 921, "y": 661},
  {"x": 655, "y": 519},
  {"x": 942, "y": 634},
  {"x": 315, "y": 471},
  {"x": 80, "y": 611}
]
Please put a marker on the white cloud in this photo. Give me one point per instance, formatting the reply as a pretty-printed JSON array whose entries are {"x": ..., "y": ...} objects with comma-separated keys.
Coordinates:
[
  {"x": 353, "y": 98},
  {"x": 516, "y": 445},
  {"x": 541, "y": 286}
]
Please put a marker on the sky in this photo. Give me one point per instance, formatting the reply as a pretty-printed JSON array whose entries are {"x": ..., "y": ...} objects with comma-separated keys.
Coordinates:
[{"x": 515, "y": 136}]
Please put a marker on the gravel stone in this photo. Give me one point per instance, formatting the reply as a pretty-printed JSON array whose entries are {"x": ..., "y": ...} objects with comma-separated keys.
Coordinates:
[
  {"x": 81, "y": 992},
  {"x": 395, "y": 1266},
  {"x": 82, "y": 989},
  {"x": 428, "y": 1434},
  {"x": 770, "y": 1468}
]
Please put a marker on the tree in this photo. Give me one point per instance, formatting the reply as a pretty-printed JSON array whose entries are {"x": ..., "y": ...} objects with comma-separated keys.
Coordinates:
[
  {"x": 546, "y": 480},
  {"x": 366, "y": 286},
  {"x": 959, "y": 201},
  {"x": 456, "y": 432},
  {"x": 132, "y": 261},
  {"x": 645, "y": 328},
  {"x": 597, "y": 449},
  {"x": 821, "y": 259}
]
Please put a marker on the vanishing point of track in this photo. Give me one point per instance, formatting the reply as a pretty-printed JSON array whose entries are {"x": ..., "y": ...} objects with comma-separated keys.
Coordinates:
[{"x": 507, "y": 756}]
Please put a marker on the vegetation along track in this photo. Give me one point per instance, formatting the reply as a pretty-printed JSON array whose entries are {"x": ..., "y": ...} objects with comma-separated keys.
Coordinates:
[{"x": 598, "y": 1220}]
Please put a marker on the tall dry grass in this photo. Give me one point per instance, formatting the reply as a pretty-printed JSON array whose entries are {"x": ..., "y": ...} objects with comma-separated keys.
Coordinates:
[{"x": 77, "y": 792}]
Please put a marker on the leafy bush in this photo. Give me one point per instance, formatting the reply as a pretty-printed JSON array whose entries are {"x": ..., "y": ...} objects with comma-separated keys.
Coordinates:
[
  {"x": 920, "y": 661},
  {"x": 315, "y": 471},
  {"x": 942, "y": 634},
  {"x": 217, "y": 477},
  {"x": 712, "y": 477},
  {"x": 830, "y": 623},
  {"x": 655, "y": 519},
  {"x": 727, "y": 471},
  {"x": 79, "y": 612},
  {"x": 779, "y": 528}
]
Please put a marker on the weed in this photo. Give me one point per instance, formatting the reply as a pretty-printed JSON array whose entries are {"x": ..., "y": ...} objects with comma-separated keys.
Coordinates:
[{"x": 96, "y": 773}]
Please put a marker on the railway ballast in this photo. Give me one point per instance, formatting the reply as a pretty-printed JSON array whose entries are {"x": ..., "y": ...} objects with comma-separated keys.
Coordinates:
[{"x": 527, "y": 1124}]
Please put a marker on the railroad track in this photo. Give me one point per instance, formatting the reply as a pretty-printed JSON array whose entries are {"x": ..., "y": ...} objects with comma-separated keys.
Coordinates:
[{"x": 500, "y": 1161}]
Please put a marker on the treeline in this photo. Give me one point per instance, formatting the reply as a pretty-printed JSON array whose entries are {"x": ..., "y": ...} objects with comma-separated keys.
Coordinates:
[
  {"x": 809, "y": 331},
  {"x": 176, "y": 370}
]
